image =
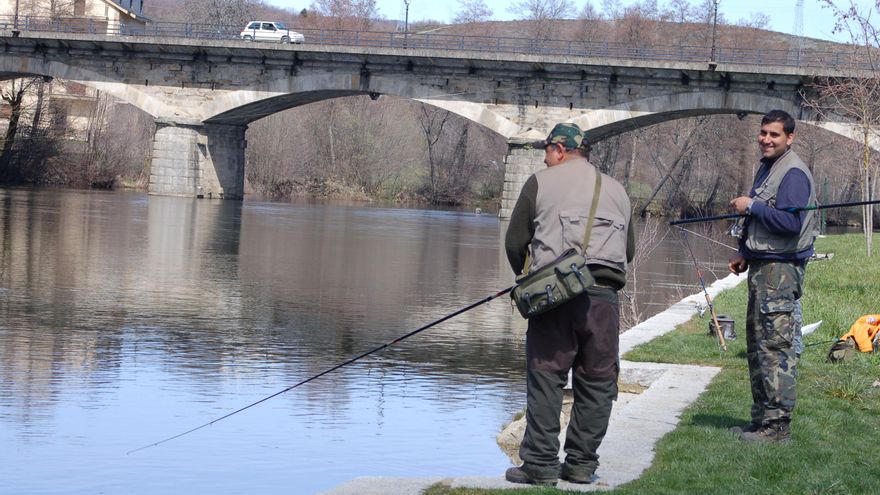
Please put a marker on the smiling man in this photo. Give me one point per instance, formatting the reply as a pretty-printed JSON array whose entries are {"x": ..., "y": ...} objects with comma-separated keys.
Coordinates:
[{"x": 775, "y": 242}]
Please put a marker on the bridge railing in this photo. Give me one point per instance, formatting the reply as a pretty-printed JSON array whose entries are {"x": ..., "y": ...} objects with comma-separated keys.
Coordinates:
[{"x": 803, "y": 58}]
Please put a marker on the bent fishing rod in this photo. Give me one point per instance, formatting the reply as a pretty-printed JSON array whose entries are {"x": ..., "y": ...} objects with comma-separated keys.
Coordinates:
[
  {"x": 330, "y": 370},
  {"x": 682, "y": 221},
  {"x": 721, "y": 343}
]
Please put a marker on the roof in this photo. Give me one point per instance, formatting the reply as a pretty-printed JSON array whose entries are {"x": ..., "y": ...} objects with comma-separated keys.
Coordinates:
[{"x": 130, "y": 13}]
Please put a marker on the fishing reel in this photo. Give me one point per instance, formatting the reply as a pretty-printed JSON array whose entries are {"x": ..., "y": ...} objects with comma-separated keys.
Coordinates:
[{"x": 738, "y": 229}]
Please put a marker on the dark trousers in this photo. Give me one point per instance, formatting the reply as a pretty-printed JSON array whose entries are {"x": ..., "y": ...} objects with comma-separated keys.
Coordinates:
[{"x": 582, "y": 336}]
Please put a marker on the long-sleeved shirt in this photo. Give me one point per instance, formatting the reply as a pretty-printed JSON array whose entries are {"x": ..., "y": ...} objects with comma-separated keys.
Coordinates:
[{"x": 794, "y": 192}]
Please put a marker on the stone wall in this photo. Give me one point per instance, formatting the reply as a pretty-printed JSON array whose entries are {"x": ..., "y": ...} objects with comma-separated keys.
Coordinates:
[
  {"x": 520, "y": 163},
  {"x": 205, "y": 161}
]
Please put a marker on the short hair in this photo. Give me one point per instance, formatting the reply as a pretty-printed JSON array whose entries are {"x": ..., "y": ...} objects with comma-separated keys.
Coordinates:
[{"x": 782, "y": 117}]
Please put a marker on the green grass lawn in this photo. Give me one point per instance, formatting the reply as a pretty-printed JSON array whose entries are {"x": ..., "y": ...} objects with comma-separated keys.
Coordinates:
[{"x": 835, "y": 446}]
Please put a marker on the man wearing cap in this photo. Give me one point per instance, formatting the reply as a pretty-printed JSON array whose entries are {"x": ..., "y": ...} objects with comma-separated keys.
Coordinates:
[{"x": 580, "y": 335}]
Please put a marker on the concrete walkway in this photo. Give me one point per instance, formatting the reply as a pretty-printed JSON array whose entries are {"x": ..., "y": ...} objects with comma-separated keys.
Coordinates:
[{"x": 635, "y": 425}]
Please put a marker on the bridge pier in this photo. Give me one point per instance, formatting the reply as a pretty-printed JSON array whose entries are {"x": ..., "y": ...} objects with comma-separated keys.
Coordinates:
[
  {"x": 520, "y": 163},
  {"x": 194, "y": 159}
]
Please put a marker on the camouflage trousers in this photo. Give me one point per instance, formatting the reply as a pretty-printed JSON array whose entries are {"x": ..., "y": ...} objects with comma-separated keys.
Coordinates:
[{"x": 773, "y": 337}]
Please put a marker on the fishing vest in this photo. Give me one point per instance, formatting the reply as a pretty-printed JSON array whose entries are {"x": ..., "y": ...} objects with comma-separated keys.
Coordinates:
[
  {"x": 562, "y": 208},
  {"x": 759, "y": 239}
]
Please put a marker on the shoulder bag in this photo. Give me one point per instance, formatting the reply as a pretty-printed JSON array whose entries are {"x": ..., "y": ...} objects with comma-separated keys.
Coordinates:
[{"x": 560, "y": 281}]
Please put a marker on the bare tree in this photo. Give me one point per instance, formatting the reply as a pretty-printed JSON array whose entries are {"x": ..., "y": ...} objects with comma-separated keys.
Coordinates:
[
  {"x": 681, "y": 11},
  {"x": 683, "y": 142},
  {"x": 857, "y": 99},
  {"x": 650, "y": 237},
  {"x": 612, "y": 9},
  {"x": 47, "y": 9},
  {"x": 220, "y": 14},
  {"x": 756, "y": 20},
  {"x": 543, "y": 15},
  {"x": 348, "y": 14},
  {"x": 14, "y": 93},
  {"x": 432, "y": 121},
  {"x": 339, "y": 149},
  {"x": 470, "y": 11},
  {"x": 590, "y": 23}
]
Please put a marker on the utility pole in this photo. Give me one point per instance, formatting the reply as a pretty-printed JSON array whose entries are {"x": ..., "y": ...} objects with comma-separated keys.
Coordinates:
[
  {"x": 712, "y": 62},
  {"x": 406, "y": 20},
  {"x": 15, "y": 30},
  {"x": 798, "y": 31}
]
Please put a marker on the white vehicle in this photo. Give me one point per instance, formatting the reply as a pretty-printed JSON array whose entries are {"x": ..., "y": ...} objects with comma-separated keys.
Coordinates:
[{"x": 275, "y": 32}]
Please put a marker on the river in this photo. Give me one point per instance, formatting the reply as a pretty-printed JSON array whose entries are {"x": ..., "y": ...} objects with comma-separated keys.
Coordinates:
[{"x": 126, "y": 319}]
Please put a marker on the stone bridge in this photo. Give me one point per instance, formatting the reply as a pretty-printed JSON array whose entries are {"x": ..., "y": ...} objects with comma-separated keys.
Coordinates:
[{"x": 204, "y": 93}]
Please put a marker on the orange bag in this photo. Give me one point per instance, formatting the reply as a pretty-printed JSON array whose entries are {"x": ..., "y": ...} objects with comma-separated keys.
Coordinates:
[{"x": 864, "y": 331}]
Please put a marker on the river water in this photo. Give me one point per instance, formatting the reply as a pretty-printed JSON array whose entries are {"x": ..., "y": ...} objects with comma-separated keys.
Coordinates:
[{"x": 127, "y": 319}]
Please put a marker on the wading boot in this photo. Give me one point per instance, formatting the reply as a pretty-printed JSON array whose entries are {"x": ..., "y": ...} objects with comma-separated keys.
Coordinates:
[
  {"x": 774, "y": 432},
  {"x": 574, "y": 474},
  {"x": 530, "y": 475},
  {"x": 740, "y": 429}
]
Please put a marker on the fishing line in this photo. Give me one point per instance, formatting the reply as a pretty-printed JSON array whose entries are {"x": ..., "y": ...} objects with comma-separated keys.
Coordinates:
[
  {"x": 721, "y": 343},
  {"x": 330, "y": 370},
  {"x": 707, "y": 238}
]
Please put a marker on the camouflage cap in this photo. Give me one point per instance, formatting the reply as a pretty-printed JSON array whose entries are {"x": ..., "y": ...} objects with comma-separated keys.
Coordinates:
[{"x": 567, "y": 134}]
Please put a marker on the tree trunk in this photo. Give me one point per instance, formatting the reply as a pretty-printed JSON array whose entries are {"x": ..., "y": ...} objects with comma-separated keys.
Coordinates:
[
  {"x": 659, "y": 186},
  {"x": 868, "y": 210},
  {"x": 14, "y": 100},
  {"x": 38, "y": 111}
]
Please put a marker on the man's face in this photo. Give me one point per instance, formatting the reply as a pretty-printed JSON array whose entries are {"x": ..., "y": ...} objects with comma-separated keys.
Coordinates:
[
  {"x": 773, "y": 140},
  {"x": 553, "y": 154}
]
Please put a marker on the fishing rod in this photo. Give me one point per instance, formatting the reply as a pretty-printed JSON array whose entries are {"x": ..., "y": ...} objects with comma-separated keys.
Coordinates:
[
  {"x": 721, "y": 341},
  {"x": 330, "y": 370},
  {"x": 820, "y": 343},
  {"x": 682, "y": 221}
]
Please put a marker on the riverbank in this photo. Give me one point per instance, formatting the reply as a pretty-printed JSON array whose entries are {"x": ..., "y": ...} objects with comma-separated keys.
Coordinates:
[
  {"x": 835, "y": 427},
  {"x": 654, "y": 397}
]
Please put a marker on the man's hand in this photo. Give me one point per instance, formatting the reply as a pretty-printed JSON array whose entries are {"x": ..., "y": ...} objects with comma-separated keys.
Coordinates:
[
  {"x": 737, "y": 264},
  {"x": 740, "y": 204}
]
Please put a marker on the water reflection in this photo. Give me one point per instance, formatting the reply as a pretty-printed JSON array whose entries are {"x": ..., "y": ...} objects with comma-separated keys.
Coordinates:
[{"x": 126, "y": 319}]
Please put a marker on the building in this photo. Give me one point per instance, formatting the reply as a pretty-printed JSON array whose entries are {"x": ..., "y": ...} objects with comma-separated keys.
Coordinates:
[
  {"x": 72, "y": 102},
  {"x": 97, "y": 15}
]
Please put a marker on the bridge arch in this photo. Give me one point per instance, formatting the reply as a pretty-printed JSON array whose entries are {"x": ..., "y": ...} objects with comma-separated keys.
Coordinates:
[
  {"x": 283, "y": 94},
  {"x": 24, "y": 66},
  {"x": 607, "y": 122}
]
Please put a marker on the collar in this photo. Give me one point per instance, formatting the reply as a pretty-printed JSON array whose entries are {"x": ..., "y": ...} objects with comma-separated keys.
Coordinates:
[{"x": 770, "y": 161}]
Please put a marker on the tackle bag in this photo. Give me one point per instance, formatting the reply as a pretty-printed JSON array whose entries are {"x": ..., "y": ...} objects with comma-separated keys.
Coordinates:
[
  {"x": 552, "y": 285},
  {"x": 562, "y": 280}
]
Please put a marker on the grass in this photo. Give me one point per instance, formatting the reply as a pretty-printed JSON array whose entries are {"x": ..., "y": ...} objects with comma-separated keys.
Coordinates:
[{"x": 836, "y": 426}]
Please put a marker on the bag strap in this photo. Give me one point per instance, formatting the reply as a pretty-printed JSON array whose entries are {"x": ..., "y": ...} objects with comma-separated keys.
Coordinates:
[
  {"x": 596, "y": 189},
  {"x": 593, "y": 207}
]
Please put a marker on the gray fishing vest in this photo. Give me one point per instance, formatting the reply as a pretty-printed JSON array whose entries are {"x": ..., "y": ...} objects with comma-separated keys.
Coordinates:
[
  {"x": 562, "y": 208},
  {"x": 759, "y": 239}
]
